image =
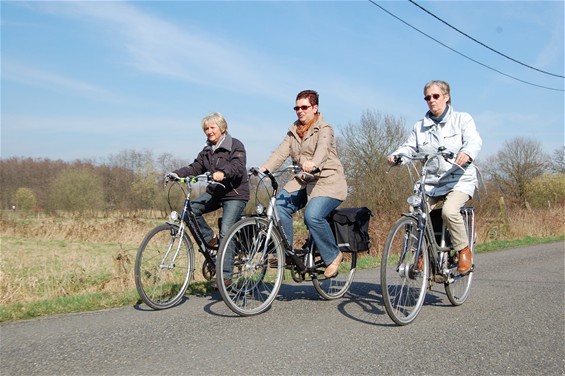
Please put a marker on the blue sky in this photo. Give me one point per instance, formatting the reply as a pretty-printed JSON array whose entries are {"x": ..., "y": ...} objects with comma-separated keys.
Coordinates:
[{"x": 86, "y": 80}]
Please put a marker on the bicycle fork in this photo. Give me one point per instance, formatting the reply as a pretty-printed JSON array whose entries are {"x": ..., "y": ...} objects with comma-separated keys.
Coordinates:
[{"x": 176, "y": 233}]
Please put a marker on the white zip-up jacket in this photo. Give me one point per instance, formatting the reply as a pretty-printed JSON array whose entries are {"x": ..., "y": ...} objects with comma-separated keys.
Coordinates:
[{"x": 457, "y": 133}]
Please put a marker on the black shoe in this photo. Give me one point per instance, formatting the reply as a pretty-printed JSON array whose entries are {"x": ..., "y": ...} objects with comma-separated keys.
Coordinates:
[{"x": 213, "y": 243}]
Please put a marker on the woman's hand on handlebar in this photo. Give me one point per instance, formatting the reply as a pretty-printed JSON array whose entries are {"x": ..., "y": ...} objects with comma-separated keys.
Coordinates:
[
  {"x": 310, "y": 167},
  {"x": 218, "y": 176}
]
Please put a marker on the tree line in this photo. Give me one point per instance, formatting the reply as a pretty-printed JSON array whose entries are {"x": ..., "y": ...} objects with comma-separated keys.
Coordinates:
[{"x": 131, "y": 181}]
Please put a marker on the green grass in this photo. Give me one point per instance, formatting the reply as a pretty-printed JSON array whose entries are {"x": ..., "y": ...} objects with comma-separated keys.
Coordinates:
[
  {"x": 82, "y": 303},
  {"x": 104, "y": 300},
  {"x": 503, "y": 244}
]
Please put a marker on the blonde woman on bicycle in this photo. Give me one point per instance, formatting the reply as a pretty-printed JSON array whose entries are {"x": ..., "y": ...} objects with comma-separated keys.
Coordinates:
[{"x": 450, "y": 185}]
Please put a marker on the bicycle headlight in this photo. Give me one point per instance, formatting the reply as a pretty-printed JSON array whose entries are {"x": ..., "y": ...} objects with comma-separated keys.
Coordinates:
[
  {"x": 174, "y": 216},
  {"x": 260, "y": 209},
  {"x": 414, "y": 201}
]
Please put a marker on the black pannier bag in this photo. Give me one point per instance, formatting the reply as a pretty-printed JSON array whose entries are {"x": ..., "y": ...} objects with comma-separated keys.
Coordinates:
[{"x": 351, "y": 228}]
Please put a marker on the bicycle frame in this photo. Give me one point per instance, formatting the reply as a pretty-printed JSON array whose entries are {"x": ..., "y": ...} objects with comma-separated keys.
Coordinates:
[
  {"x": 188, "y": 217},
  {"x": 274, "y": 222}
]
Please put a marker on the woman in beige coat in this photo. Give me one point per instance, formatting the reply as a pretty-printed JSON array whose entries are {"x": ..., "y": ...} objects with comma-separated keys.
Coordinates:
[{"x": 310, "y": 143}]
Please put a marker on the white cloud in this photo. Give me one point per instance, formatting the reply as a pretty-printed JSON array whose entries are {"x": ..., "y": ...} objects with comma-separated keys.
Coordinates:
[
  {"x": 163, "y": 48},
  {"x": 53, "y": 81}
]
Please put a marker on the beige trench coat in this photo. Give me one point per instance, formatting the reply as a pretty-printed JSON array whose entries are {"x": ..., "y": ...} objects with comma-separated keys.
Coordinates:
[{"x": 318, "y": 146}]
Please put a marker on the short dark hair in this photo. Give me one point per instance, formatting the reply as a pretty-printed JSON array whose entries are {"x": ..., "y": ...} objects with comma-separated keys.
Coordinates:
[{"x": 311, "y": 95}]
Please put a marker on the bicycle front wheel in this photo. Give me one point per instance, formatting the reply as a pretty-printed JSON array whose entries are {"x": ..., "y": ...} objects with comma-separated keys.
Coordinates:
[
  {"x": 335, "y": 287},
  {"x": 163, "y": 266},
  {"x": 403, "y": 278},
  {"x": 250, "y": 266}
]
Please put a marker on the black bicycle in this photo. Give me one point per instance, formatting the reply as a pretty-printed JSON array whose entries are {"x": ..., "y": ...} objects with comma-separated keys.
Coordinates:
[
  {"x": 418, "y": 251},
  {"x": 165, "y": 260},
  {"x": 261, "y": 252}
]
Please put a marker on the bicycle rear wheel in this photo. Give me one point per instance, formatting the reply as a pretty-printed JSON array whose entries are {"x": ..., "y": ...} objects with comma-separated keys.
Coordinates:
[
  {"x": 458, "y": 290},
  {"x": 335, "y": 287},
  {"x": 249, "y": 284},
  {"x": 163, "y": 266},
  {"x": 403, "y": 278}
]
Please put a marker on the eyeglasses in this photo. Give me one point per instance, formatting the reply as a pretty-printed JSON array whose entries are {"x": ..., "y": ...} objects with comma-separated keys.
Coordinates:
[
  {"x": 303, "y": 108},
  {"x": 429, "y": 97}
]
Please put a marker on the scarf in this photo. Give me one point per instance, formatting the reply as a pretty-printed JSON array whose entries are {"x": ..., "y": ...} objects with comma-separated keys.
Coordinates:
[
  {"x": 302, "y": 129},
  {"x": 217, "y": 145},
  {"x": 438, "y": 119}
]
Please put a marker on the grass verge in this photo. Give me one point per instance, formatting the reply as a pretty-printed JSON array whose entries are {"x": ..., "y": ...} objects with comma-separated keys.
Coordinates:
[{"x": 104, "y": 300}]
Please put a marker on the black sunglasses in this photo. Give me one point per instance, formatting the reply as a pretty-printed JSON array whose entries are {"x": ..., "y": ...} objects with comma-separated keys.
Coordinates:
[
  {"x": 303, "y": 108},
  {"x": 429, "y": 97}
]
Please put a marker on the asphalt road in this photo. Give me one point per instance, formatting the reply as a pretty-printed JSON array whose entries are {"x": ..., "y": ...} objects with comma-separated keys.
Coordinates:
[{"x": 512, "y": 324}]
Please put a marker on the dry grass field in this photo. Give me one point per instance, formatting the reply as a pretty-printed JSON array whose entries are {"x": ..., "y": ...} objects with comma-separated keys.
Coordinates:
[{"x": 44, "y": 258}]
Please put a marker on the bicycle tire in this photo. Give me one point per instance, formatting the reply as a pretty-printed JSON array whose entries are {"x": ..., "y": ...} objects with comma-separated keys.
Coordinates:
[
  {"x": 161, "y": 281},
  {"x": 459, "y": 289},
  {"x": 336, "y": 287},
  {"x": 403, "y": 283},
  {"x": 254, "y": 280}
]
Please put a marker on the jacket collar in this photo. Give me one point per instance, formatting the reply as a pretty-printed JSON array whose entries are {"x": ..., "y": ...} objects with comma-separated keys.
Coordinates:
[
  {"x": 315, "y": 126},
  {"x": 226, "y": 142},
  {"x": 429, "y": 119}
]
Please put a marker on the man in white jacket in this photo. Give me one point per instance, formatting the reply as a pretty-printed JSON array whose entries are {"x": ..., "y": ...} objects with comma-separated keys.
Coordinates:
[{"x": 451, "y": 184}]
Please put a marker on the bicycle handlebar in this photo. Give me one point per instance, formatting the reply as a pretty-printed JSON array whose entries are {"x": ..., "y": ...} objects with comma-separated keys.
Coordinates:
[
  {"x": 205, "y": 177},
  {"x": 426, "y": 156},
  {"x": 295, "y": 169}
]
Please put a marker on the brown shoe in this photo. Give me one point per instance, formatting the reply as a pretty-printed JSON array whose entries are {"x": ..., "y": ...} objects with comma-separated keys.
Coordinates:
[
  {"x": 465, "y": 260},
  {"x": 420, "y": 264},
  {"x": 332, "y": 268},
  {"x": 213, "y": 242}
]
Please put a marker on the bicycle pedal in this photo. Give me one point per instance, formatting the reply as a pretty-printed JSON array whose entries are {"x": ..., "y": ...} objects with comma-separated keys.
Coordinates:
[
  {"x": 299, "y": 251},
  {"x": 439, "y": 278}
]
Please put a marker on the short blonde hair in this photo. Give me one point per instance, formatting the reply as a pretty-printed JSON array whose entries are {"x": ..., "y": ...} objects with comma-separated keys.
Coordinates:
[{"x": 217, "y": 119}]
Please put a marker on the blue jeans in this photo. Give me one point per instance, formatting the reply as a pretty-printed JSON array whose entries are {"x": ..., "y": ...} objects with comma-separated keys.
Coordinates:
[
  {"x": 207, "y": 203},
  {"x": 315, "y": 214}
]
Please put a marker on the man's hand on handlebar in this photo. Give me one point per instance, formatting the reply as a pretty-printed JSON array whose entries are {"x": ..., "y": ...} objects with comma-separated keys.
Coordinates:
[
  {"x": 462, "y": 158},
  {"x": 393, "y": 160}
]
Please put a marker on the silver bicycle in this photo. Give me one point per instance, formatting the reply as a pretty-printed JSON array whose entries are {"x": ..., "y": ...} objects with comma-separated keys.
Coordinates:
[
  {"x": 257, "y": 252},
  {"x": 418, "y": 252}
]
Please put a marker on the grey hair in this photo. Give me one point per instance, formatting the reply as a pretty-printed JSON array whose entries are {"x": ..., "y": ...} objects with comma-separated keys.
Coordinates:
[
  {"x": 443, "y": 86},
  {"x": 217, "y": 119}
]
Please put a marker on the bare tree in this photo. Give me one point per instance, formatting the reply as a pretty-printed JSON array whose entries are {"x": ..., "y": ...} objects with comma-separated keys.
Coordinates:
[
  {"x": 518, "y": 163},
  {"x": 363, "y": 149},
  {"x": 558, "y": 161},
  {"x": 166, "y": 162}
]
